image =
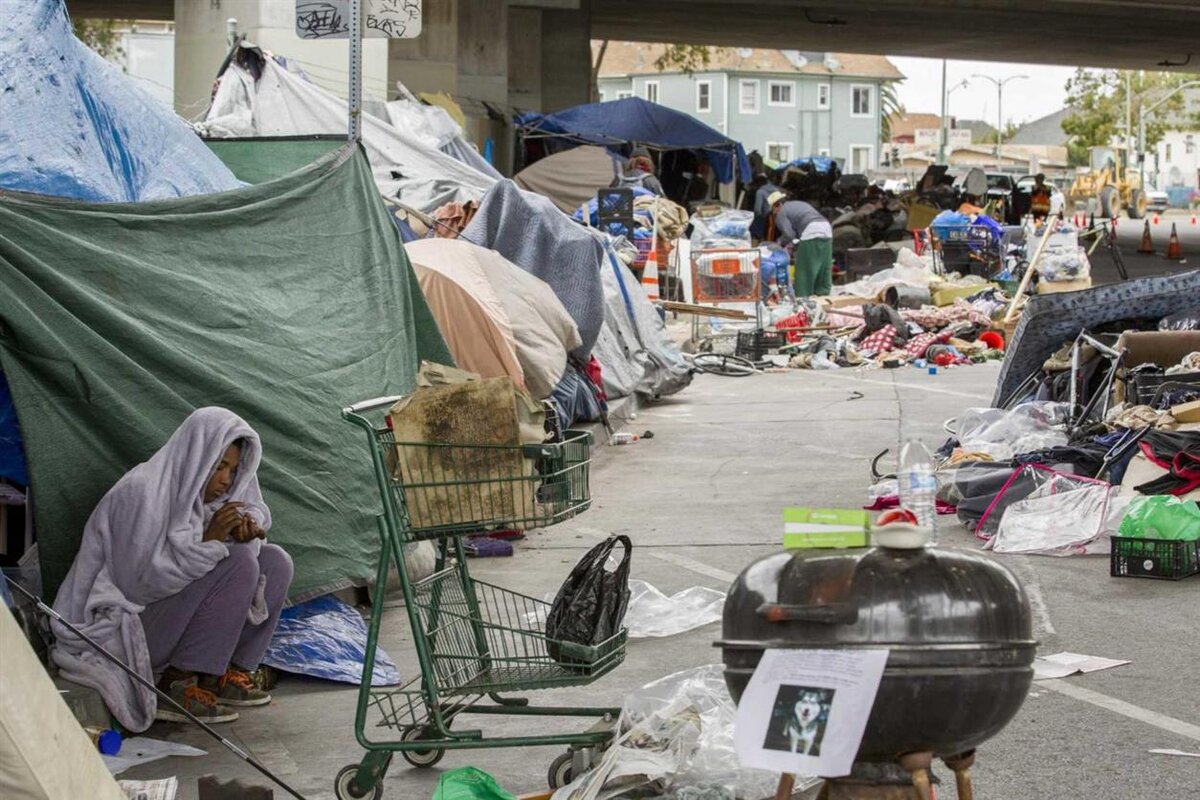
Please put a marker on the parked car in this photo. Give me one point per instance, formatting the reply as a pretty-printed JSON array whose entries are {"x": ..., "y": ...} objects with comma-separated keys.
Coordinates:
[
  {"x": 1157, "y": 201},
  {"x": 1024, "y": 189}
]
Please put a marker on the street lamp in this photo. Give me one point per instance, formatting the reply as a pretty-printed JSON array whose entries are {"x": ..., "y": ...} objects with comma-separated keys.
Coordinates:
[
  {"x": 1000, "y": 106},
  {"x": 943, "y": 140}
]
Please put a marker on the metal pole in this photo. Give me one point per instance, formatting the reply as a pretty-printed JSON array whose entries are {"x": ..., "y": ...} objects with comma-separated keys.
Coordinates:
[
  {"x": 999, "y": 119},
  {"x": 354, "y": 101},
  {"x": 1142, "y": 148},
  {"x": 942, "y": 138}
]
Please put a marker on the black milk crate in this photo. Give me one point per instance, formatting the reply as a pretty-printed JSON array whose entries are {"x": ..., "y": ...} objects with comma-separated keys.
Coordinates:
[
  {"x": 1146, "y": 384},
  {"x": 1167, "y": 559},
  {"x": 755, "y": 344}
]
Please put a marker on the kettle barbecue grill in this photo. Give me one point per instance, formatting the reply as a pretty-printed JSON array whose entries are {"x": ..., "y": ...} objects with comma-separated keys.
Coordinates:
[{"x": 957, "y": 626}]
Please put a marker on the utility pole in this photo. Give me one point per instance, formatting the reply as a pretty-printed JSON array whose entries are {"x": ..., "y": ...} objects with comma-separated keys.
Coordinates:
[
  {"x": 1000, "y": 106},
  {"x": 944, "y": 134}
]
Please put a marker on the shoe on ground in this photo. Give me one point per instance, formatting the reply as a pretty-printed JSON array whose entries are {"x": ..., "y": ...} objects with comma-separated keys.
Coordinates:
[
  {"x": 235, "y": 688},
  {"x": 200, "y": 703}
]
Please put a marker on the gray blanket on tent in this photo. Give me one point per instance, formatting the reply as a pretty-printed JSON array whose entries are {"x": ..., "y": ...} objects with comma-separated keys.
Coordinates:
[
  {"x": 1051, "y": 320},
  {"x": 531, "y": 232}
]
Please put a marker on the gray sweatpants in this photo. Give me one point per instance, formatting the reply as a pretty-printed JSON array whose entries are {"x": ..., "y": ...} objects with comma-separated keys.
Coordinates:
[{"x": 204, "y": 628}]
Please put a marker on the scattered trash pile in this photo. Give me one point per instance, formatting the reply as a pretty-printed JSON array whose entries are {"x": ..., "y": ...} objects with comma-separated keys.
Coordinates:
[{"x": 1101, "y": 440}]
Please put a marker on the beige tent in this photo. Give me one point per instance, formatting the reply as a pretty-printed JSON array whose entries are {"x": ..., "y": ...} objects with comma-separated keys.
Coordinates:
[
  {"x": 570, "y": 178},
  {"x": 496, "y": 318}
]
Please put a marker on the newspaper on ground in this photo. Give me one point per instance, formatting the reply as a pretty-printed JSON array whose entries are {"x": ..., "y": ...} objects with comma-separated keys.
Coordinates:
[
  {"x": 160, "y": 789},
  {"x": 143, "y": 750},
  {"x": 804, "y": 711},
  {"x": 1060, "y": 665}
]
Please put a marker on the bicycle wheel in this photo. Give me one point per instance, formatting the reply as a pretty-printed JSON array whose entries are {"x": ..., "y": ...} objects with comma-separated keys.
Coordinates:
[{"x": 726, "y": 365}]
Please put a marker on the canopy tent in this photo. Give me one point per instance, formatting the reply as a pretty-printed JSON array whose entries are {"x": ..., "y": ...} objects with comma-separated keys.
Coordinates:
[
  {"x": 640, "y": 122},
  {"x": 1050, "y": 320},
  {"x": 123, "y": 318},
  {"x": 570, "y": 178},
  {"x": 280, "y": 103},
  {"x": 496, "y": 318}
]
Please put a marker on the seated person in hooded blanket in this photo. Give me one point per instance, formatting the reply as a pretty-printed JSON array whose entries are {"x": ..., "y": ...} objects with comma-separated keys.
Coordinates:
[{"x": 175, "y": 578}]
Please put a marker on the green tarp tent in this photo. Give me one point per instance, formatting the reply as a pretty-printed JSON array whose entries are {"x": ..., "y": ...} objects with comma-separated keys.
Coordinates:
[
  {"x": 264, "y": 158},
  {"x": 283, "y": 301}
]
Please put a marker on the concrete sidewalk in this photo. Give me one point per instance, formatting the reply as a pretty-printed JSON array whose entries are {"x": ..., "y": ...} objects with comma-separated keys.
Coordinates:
[{"x": 701, "y": 500}]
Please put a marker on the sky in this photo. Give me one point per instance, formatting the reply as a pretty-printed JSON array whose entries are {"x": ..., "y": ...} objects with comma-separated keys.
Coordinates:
[{"x": 1024, "y": 100}]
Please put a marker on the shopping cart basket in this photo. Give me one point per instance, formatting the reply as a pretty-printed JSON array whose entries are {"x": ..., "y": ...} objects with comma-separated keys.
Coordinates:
[{"x": 475, "y": 641}]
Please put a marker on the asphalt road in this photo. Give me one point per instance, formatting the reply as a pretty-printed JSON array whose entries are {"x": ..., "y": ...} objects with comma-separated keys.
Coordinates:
[
  {"x": 1140, "y": 265},
  {"x": 701, "y": 500}
]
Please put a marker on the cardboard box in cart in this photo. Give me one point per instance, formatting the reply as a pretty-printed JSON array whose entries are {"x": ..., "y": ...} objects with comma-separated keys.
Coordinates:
[{"x": 1162, "y": 348}]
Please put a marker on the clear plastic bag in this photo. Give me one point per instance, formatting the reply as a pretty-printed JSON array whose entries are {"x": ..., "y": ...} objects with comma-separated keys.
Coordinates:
[
  {"x": 1030, "y": 480},
  {"x": 1057, "y": 521},
  {"x": 1003, "y": 434},
  {"x": 652, "y": 614},
  {"x": 677, "y": 731},
  {"x": 729, "y": 228}
]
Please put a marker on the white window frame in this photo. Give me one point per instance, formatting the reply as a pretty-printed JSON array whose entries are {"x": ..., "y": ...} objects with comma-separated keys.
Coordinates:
[
  {"x": 624, "y": 94},
  {"x": 603, "y": 95},
  {"x": 790, "y": 149},
  {"x": 870, "y": 148},
  {"x": 703, "y": 109},
  {"x": 742, "y": 84},
  {"x": 646, "y": 91},
  {"x": 870, "y": 94},
  {"x": 824, "y": 93},
  {"x": 792, "y": 93}
]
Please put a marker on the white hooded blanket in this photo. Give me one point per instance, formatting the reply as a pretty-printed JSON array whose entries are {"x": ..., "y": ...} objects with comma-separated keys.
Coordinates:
[{"x": 144, "y": 542}]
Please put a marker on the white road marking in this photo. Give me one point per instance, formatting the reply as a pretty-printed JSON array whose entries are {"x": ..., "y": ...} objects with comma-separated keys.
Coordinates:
[
  {"x": 914, "y": 386},
  {"x": 1162, "y": 721}
]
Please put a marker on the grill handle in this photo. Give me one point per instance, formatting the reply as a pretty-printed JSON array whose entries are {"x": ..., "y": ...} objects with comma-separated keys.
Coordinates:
[{"x": 824, "y": 614}]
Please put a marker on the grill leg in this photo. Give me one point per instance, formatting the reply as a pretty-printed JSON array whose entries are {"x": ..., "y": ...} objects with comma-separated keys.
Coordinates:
[
  {"x": 961, "y": 764},
  {"x": 918, "y": 765}
]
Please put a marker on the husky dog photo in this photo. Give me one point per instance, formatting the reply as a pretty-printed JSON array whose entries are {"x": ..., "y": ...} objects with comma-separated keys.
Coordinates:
[{"x": 798, "y": 719}]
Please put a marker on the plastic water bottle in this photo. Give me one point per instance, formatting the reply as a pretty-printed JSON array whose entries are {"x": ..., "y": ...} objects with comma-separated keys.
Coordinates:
[{"x": 918, "y": 485}]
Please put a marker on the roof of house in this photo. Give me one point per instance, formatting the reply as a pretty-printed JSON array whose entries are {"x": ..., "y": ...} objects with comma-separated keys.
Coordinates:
[
  {"x": 906, "y": 124},
  {"x": 978, "y": 128},
  {"x": 1046, "y": 130},
  {"x": 637, "y": 58}
]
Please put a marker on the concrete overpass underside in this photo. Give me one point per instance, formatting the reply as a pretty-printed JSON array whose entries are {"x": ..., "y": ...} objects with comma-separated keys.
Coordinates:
[{"x": 1135, "y": 34}]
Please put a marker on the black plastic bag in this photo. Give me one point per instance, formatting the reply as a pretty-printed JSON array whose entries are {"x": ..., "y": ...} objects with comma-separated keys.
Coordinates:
[{"x": 590, "y": 605}]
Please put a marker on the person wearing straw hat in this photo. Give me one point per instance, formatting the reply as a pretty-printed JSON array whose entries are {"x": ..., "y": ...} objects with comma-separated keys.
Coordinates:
[{"x": 802, "y": 229}]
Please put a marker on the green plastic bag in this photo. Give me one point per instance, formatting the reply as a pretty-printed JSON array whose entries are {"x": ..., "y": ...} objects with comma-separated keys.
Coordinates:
[
  {"x": 469, "y": 783},
  {"x": 1161, "y": 517}
]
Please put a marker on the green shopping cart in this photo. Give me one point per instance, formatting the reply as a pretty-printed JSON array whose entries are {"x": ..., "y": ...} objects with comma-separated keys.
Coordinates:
[{"x": 475, "y": 641}]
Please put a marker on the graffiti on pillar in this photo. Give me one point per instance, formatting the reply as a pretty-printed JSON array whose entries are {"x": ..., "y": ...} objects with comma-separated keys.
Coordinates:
[{"x": 382, "y": 19}]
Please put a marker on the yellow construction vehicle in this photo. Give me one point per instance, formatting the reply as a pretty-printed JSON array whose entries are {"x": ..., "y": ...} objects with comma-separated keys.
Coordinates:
[{"x": 1109, "y": 185}]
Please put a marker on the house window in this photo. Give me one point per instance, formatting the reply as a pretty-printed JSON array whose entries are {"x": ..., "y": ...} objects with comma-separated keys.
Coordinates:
[
  {"x": 624, "y": 95},
  {"x": 824, "y": 151},
  {"x": 1168, "y": 151},
  {"x": 862, "y": 158},
  {"x": 749, "y": 97},
  {"x": 822, "y": 95},
  {"x": 704, "y": 96},
  {"x": 780, "y": 152},
  {"x": 603, "y": 95},
  {"x": 781, "y": 93},
  {"x": 652, "y": 91},
  {"x": 862, "y": 102}
]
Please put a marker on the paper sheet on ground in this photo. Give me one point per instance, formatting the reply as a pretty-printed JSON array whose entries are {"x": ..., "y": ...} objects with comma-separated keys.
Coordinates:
[
  {"x": 161, "y": 789},
  {"x": 1060, "y": 665},
  {"x": 143, "y": 750},
  {"x": 1176, "y": 753},
  {"x": 804, "y": 711}
]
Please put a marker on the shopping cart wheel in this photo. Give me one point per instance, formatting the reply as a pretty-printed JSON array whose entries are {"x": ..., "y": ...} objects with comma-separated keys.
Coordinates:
[
  {"x": 420, "y": 758},
  {"x": 344, "y": 787},
  {"x": 562, "y": 770}
]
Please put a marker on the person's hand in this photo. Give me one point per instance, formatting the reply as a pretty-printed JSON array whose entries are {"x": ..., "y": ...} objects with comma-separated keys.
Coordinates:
[
  {"x": 224, "y": 522},
  {"x": 248, "y": 529}
]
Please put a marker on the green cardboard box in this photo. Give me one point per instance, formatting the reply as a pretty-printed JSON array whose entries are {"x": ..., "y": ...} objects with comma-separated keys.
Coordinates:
[{"x": 805, "y": 528}]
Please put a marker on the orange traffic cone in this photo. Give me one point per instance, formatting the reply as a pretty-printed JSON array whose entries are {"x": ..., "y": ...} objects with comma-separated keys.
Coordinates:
[
  {"x": 1147, "y": 245},
  {"x": 1174, "y": 250},
  {"x": 650, "y": 275}
]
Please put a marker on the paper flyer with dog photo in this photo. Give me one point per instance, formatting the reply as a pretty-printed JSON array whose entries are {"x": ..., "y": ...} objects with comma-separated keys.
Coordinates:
[{"x": 804, "y": 711}]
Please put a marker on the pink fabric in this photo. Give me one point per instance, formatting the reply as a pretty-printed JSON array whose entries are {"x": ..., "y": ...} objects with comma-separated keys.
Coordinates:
[
  {"x": 887, "y": 501},
  {"x": 881, "y": 341}
]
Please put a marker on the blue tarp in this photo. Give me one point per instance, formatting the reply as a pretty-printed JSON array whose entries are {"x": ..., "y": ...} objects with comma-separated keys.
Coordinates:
[
  {"x": 73, "y": 125},
  {"x": 637, "y": 121},
  {"x": 821, "y": 164}
]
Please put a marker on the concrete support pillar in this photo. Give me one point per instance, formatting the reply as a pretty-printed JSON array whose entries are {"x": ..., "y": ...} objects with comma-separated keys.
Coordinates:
[
  {"x": 462, "y": 50},
  {"x": 525, "y": 58},
  {"x": 566, "y": 57}
]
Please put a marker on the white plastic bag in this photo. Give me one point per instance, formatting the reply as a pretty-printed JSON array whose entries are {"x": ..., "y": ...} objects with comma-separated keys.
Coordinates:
[
  {"x": 1003, "y": 434},
  {"x": 1052, "y": 522}
]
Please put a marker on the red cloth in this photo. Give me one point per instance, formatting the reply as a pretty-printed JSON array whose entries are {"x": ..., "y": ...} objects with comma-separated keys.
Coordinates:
[
  {"x": 593, "y": 373},
  {"x": 797, "y": 320},
  {"x": 893, "y": 501},
  {"x": 881, "y": 341}
]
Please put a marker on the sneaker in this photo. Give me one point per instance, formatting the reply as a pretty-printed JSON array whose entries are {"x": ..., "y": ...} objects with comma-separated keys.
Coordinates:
[
  {"x": 235, "y": 688},
  {"x": 200, "y": 703}
]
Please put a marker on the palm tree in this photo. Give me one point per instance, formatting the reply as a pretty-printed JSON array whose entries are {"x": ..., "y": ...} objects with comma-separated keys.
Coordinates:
[{"x": 889, "y": 106}]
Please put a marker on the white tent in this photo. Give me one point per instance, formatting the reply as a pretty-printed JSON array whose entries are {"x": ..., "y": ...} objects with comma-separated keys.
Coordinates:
[
  {"x": 496, "y": 318},
  {"x": 280, "y": 103}
]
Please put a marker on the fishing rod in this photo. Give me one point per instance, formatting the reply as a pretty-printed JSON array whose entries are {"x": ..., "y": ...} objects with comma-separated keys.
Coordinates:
[{"x": 233, "y": 748}]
